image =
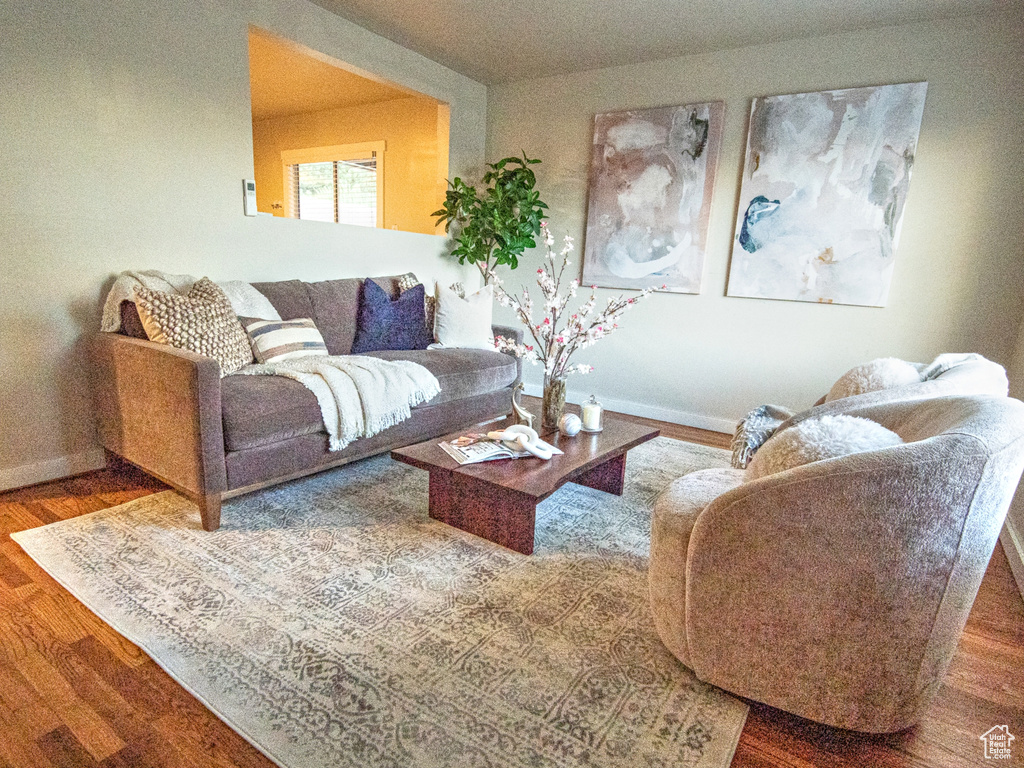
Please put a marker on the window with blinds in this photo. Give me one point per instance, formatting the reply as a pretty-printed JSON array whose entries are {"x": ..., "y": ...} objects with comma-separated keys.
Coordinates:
[{"x": 342, "y": 184}]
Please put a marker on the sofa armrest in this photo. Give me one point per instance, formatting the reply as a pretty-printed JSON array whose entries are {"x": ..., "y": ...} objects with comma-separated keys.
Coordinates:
[
  {"x": 160, "y": 408},
  {"x": 509, "y": 332},
  {"x": 516, "y": 334}
]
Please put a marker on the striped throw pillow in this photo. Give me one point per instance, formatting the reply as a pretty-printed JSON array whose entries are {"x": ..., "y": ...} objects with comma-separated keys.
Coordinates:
[{"x": 276, "y": 340}]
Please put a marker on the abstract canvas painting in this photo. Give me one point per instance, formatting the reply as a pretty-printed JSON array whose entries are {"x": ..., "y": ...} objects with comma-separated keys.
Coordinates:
[
  {"x": 652, "y": 174},
  {"x": 824, "y": 184}
]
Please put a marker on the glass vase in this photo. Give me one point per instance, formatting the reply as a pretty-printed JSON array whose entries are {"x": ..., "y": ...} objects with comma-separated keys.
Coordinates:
[{"x": 554, "y": 401}]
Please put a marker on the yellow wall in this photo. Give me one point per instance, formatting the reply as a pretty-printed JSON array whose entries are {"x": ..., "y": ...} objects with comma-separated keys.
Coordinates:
[{"x": 417, "y": 147}]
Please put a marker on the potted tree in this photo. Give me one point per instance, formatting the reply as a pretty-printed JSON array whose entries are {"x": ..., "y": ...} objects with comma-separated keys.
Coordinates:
[{"x": 495, "y": 224}]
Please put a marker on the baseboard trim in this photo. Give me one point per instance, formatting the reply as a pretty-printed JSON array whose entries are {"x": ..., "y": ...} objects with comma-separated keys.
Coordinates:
[
  {"x": 1013, "y": 546},
  {"x": 671, "y": 415},
  {"x": 52, "y": 469}
]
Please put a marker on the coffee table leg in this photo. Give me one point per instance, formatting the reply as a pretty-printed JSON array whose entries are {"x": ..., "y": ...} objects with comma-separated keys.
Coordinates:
[
  {"x": 609, "y": 477},
  {"x": 497, "y": 514}
]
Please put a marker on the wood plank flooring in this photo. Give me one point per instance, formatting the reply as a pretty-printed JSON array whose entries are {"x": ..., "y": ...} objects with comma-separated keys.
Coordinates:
[{"x": 74, "y": 693}]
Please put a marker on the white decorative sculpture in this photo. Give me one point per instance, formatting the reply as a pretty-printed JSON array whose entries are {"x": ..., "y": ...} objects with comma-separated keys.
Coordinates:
[{"x": 523, "y": 416}]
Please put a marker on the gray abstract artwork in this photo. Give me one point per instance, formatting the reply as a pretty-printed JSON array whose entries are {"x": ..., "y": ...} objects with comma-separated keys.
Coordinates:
[
  {"x": 652, "y": 175},
  {"x": 824, "y": 185}
]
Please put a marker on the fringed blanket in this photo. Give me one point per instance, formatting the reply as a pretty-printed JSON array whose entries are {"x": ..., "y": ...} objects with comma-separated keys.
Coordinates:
[
  {"x": 358, "y": 396},
  {"x": 245, "y": 299}
]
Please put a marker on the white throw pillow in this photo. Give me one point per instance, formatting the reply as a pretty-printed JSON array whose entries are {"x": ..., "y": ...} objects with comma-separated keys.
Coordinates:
[
  {"x": 818, "y": 439},
  {"x": 883, "y": 373},
  {"x": 464, "y": 322}
]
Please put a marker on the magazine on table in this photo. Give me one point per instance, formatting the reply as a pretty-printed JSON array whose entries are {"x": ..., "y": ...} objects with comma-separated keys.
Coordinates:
[{"x": 472, "y": 449}]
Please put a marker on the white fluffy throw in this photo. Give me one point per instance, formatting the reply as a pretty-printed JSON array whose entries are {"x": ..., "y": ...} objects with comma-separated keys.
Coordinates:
[
  {"x": 359, "y": 396},
  {"x": 883, "y": 373},
  {"x": 817, "y": 439}
]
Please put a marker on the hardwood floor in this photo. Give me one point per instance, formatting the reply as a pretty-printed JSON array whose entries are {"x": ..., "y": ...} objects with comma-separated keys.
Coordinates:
[{"x": 74, "y": 693}]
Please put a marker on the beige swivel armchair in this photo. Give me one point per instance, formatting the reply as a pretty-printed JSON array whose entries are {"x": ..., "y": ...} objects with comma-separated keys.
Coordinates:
[{"x": 838, "y": 590}]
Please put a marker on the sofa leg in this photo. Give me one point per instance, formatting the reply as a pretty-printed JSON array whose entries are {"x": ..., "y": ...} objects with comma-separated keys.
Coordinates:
[{"x": 209, "y": 511}]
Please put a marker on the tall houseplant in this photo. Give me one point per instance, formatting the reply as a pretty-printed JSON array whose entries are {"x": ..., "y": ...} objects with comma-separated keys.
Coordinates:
[{"x": 497, "y": 223}]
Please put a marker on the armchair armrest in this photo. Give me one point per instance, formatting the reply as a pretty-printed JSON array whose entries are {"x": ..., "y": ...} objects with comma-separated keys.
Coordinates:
[{"x": 160, "y": 408}]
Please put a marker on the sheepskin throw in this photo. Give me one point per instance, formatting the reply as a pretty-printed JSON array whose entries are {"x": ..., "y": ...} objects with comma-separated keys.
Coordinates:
[
  {"x": 202, "y": 321},
  {"x": 882, "y": 373},
  {"x": 359, "y": 396},
  {"x": 752, "y": 431},
  {"x": 818, "y": 439}
]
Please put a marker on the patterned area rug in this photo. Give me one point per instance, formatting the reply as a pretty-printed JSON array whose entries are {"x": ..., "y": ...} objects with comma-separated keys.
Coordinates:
[{"x": 332, "y": 623}]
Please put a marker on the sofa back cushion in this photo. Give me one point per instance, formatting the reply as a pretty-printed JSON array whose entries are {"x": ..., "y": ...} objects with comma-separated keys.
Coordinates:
[
  {"x": 131, "y": 323},
  {"x": 289, "y": 297},
  {"x": 333, "y": 305},
  {"x": 335, "y": 310}
]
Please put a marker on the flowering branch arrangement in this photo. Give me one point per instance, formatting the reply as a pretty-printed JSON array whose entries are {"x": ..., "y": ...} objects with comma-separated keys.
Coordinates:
[{"x": 554, "y": 346}]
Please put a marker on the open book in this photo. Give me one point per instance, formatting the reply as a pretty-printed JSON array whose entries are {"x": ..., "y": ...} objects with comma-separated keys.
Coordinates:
[{"x": 471, "y": 449}]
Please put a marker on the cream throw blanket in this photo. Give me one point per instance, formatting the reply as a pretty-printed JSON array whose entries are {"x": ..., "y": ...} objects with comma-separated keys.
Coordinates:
[
  {"x": 358, "y": 396},
  {"x": 245, "y": 299}
]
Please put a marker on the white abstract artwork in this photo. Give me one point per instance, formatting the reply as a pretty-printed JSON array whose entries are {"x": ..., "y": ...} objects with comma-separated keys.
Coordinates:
[
  {"x": 652, "y": 175},
  {"x": 824, "y": 184}
]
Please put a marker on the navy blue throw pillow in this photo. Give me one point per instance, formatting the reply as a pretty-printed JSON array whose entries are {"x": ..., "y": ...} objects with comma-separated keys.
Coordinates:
[{"x": 387, "y": 324}]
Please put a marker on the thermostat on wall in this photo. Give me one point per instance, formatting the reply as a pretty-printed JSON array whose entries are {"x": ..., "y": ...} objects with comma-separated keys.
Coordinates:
[{"x": 249, "y": 197}]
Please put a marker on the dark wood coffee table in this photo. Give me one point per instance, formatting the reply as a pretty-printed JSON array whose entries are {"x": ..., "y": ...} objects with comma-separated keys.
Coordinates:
[{"x": 497, "y": 500}]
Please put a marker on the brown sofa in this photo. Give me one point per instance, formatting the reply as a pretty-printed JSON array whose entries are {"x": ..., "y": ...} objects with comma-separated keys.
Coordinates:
[{"x": 170, "y": 413}]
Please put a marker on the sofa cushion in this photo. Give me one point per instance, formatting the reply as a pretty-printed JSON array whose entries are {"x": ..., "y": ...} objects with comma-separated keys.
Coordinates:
[
  {"x": 333, "y": 305},
  {"x": 260, "y": 410},
  {"x": 289, "y": 297},
  {"x": 131, "y": 323},
  {"x": 461, "y": 372},
  {"x": 336, "y": 311}
]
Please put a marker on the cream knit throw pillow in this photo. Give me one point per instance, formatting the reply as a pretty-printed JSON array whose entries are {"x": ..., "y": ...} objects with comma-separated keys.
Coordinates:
[{"x": 201, "y": 321}]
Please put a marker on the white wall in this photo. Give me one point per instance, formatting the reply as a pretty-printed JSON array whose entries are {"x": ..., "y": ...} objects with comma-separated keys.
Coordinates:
[
  {"x": 705, "y": 360},
  {"x": 126, "y": 133},
  {"x": 1012, "y": 536}
]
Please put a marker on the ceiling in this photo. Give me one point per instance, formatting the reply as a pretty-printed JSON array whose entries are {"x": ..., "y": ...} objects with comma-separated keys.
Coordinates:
[
  {"x": 498, "y": 41},
  {"x": 288, "y": 79}
]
